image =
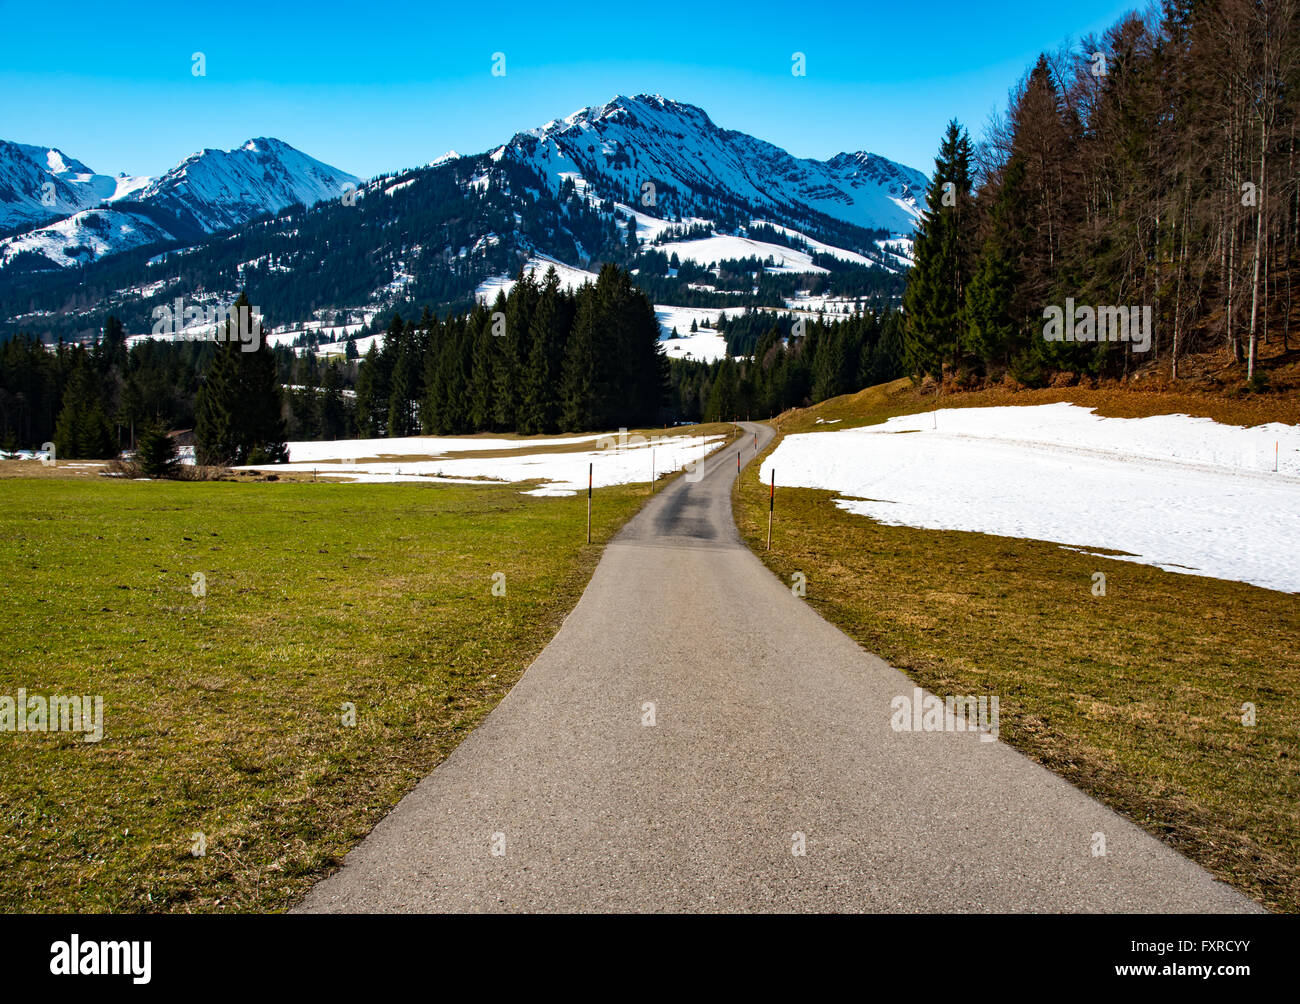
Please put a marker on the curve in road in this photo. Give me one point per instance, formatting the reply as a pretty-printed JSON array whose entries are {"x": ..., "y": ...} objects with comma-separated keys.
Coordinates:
[{"x": 771, "y": 735}]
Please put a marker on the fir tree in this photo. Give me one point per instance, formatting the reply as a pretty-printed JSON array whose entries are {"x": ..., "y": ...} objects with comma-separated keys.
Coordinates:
[
  {"x": 934, "y": 303},
  {"x": 82, "y": 430},
  {"x": 239, "y": 410},
  {"x": 157, "y": 453}
]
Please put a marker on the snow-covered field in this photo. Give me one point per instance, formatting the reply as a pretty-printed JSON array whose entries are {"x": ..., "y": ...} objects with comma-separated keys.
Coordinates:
[
  {"x": 708, "y": 250},
  {"x": 706, "y": 345},
  {"x": 570, "y": 278},
  {"x": 614, "y": 461},
  {"x": 816, "y": 245},
  {"x": 1184, "y": 494}
]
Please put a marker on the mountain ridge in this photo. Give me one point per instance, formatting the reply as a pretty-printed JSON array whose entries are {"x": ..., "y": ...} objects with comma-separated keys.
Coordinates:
[
  {"x": 887, "y": 196},
  {"x": 207, "y": 192},
  {"x": 572, "y": 190}
]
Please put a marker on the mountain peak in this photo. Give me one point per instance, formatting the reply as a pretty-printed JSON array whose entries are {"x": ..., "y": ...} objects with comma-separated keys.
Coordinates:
[
  {"x": 207, "y": 191},
  {"x": 266, "y": 144},
  {"x": 617, "y": 147}
]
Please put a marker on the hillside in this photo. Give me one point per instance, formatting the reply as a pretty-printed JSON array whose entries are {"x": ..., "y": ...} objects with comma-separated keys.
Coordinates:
[{"x": 705, "y": 217}]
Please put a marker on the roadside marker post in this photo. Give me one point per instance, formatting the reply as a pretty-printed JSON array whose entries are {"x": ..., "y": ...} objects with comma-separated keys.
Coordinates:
[
  {"x": 737, "y": 461},
  {"x": 652, "y": 470},
  {"x": 771, "y": 504},
  {"x": 589, "y": 467}
]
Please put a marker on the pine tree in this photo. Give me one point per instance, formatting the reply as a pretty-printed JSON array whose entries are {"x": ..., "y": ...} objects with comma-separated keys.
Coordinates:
[
  {"x": 239, "y": 409},
  {"x": 157, "y": 453},
  {"x": 333, "y": 410},
  {"x": 579, "y": 411},
  {"x": 216, "y": 441},
  {"x": 482, "y": 380},
  {"x": 82, "y": 430},
  {"x": 994, "y": 320},
  {"x": 943, "y": 252},
  {"x": 722, "y": 396},
  {"x": 505, "y": 372},
  {"x": 372, "y": 395},
  {"x": 540, "y": 404},
  {"x": 260, "y": 422}
]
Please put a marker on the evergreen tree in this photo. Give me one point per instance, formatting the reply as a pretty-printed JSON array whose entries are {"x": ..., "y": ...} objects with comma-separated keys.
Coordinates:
[
  {"x": 157, "y": 453},
  {"x": 261, "y": 420},
  {"x": 993, "y": 327},
  {"x": 333, "y": 410},
  {"x": 482, "y": 415},
  {"x": 943, "y": 252},
  {"x": 540, "y": 406},
  {"x": 722, "y": 396},
  {"x": 239, "y": 410},
  {"x": 578, "y": 388},
  {"x": 372, "y": 395},
  {"x": 403, "y": 384},
  {"x": 82, "y": 431}
]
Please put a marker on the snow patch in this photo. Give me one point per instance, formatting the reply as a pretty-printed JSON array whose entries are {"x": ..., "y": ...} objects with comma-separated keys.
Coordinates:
[{"x": 1185, "y": 494}]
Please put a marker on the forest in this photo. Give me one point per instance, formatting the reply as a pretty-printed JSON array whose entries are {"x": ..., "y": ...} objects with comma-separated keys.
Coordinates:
[
  {"x": 1151, "y": 172},
  {"x": 1154, "y": 167}
]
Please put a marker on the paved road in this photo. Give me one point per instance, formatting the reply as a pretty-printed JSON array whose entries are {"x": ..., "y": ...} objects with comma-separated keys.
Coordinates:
[{"x": 769, "y": 722}]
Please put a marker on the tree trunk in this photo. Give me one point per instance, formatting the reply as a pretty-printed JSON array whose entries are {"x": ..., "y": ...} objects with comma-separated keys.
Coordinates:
[{"x": 1259, "y": 233}]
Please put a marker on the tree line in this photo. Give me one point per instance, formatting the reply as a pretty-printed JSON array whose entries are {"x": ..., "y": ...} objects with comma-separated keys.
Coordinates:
[
  {"x": 793, "y": 363},
  {"x": 542, "y": 359},
  {"x": 98, "y": 400},
  {"x": 1154, "y": 166}
]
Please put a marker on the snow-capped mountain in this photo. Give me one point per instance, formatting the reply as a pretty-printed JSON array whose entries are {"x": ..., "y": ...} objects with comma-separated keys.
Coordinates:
[
  {"x": 207, "y": 192},
  {"x": 619, "y": 147},
  {"x": 43, "y": 183},
  {"x": 219, "y": 189},
  {"x": 735, "y": 222}
]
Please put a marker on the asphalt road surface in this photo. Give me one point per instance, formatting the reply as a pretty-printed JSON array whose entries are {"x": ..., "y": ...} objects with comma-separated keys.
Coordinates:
[{"x": 771, "y": 735}]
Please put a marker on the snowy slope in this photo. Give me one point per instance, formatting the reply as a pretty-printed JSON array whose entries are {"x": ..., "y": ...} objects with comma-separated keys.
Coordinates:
[
  {"x": 85, "y": 237},
  {"x": 570, "y": 278},
  {"x": 1184, "y": 494},
  {"x": 25, "y": 170},
  {"x": 705, "y": 345},
  {"x": 218, "y": 189},
  {"x": 208, "y": 191},
  {"x": 617, "y": 147},
  {"x": 24, "y": 174},
  {"x": 707, "y": 250}
]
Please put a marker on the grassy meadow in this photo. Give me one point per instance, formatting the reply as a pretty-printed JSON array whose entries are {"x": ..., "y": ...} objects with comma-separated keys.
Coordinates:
[{"x": 224, "y": 714}]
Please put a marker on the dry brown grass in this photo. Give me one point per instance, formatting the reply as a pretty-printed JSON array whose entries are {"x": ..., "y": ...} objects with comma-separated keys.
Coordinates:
[{"x": 1135, "y": 697}]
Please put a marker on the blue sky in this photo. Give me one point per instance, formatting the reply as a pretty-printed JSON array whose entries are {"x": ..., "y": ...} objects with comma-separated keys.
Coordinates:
[{"x": 378, "y": 87}]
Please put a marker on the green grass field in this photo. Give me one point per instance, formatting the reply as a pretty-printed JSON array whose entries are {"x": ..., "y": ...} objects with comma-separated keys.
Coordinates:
[
  {"x": 223, "y": 714},
  {"x": 1134, "y": 697}
]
